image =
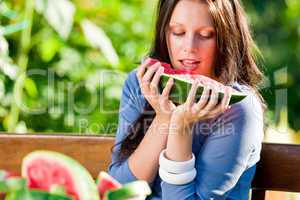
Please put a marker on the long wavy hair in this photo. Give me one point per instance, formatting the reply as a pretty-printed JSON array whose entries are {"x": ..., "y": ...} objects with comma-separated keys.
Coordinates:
[{"x": 235, "y": 61}]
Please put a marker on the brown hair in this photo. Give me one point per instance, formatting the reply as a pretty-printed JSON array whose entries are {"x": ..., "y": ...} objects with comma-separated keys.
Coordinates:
[{"x": 236, "y": 61}]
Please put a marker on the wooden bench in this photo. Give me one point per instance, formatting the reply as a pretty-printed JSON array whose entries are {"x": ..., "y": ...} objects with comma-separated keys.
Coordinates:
[{"x": 278, "y": 169}]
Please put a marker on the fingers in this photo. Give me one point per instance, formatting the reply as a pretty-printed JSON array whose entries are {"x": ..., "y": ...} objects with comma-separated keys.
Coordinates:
[
  {"x": 149, "y": 74},
  {"x": 203, "y": 99},
  {"x": 192, "y": 93},
  {"x": 212, "y": 102},
  {"x": 209, "y": 104},
  {"x": 149, "y": 80},
  {"x": 223, "y": 106},
  {"x": 228, "y": 93},
  {"x": 166, "y": 91},
  {"x": 155, "y": 81},
  {"x": 142, "y": 68},
  {"x": 225, "y": 100}
]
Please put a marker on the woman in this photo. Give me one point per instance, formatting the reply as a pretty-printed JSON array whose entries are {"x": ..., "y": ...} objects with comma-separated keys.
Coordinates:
[{"x": 196, "y": 150}]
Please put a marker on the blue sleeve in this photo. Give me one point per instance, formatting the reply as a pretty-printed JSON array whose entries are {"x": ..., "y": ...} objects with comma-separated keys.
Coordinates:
[
  {"x": 233, "y": 146},
  {"x": 130, "y": 108}
]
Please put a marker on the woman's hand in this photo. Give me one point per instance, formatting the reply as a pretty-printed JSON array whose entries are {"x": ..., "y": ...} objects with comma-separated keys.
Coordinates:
[
  {"x": 149, "y": 87},
  {"x": 207, "y": 107}
]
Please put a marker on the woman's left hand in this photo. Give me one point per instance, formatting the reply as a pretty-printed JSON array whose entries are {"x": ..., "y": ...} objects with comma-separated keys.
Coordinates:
[{"x": 207, "y": 107}]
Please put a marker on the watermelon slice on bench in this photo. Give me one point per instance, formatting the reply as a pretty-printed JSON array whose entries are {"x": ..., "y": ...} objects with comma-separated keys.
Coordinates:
[
  {"x": 48, "y": 171},
  {"x": 111, "y": 189},
  {"x": 137, "y": 190},
  {"x": 105, "y": 183}
]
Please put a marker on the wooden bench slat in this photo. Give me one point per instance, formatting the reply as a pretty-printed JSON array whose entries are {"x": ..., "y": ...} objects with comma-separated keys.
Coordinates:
[
  {"x": 279, "y": 168},
  {"x": 93, "y": 152}
]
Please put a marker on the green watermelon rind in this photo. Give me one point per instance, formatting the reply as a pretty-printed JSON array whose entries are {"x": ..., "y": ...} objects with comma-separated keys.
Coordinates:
[
  {"x": 181, "y": 88},
  {"x": 26, "y": 194},
  {"x": 129, "y": 190},
  {"x": 83, "y": 181}
]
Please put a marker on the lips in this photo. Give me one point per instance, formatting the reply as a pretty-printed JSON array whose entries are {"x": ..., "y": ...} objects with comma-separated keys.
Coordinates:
[{"x": 190, "y": 64}]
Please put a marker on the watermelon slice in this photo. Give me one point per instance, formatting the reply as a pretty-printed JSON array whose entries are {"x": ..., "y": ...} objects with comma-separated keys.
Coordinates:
[
  {"x": 46, "y": 169},
  {"x": 137, "y": 190},
  {"x": 183, "y": 80},
  {"x": 105, "y": 183},
  {"x": 111, "y": 189}
]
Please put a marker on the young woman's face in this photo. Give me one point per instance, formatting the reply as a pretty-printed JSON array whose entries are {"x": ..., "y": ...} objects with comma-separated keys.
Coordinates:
[{"x": 191, "y": 38}]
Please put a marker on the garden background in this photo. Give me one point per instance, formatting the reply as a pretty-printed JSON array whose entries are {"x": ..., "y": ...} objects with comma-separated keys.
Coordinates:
[{"x": 63, "y": 63}]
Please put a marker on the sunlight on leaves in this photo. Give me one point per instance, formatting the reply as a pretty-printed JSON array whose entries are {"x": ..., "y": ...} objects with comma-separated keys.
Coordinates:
[
  {"x": 2, "y": 89},
  {"x": 59, "y": 14},
  {"x": 98, "y": 39},
  {"x": 10, "y": 29},
  {"x": 8, "y": 68},
  {"x": 21, "y": 128},
  {"x": 3, "y": 46},
  {"x": 6, "y": 11},
  {"x": 30, "y": 87}
]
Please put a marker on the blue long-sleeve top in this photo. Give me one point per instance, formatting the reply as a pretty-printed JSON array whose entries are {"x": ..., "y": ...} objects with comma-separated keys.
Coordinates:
[{"x": 226, "y": 148}]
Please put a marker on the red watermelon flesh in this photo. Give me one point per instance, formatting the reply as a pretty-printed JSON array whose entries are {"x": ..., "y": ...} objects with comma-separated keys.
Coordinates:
[
  {"x": 106, "y": 183},
  {"x": 44, "y": 173},
  {"x": 169, "y": 70},
  {"x": 187, "y": 74}
]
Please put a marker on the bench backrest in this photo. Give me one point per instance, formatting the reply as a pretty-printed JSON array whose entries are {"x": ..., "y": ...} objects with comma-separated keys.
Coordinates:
[
  {"x": 92, "y": 152},
  {"x": 278, "y": 169}
]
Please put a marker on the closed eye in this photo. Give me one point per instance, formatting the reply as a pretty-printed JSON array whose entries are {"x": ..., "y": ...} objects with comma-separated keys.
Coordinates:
[
  {"x": 206, "y": 35},
  {"x": 178, "y": 34}
]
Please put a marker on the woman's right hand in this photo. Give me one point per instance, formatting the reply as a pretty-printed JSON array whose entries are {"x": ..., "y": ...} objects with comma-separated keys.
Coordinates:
[{"x": 149, "y": 87}]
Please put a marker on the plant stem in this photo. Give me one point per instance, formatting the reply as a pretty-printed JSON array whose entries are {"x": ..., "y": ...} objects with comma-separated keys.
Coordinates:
[{"x": 22, "y": 63}]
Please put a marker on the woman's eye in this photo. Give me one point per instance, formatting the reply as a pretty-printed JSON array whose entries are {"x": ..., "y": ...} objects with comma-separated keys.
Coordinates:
[
  {"x": 178, "y": 33},
  {"x": 205, "y": 35}
]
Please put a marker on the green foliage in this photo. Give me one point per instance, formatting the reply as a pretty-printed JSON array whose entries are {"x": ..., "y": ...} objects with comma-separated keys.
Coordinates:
[
  {"x": 276, "y": 27},
  {"x": 63, "y": 63},
  {"x": 75, "y": 56}
]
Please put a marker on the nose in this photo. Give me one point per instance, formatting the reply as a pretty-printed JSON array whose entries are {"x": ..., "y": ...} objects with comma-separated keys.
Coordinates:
[{"x": 190, "y": 45}]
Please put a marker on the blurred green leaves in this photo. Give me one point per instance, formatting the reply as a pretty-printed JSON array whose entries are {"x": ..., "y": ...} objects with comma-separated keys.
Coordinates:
[
  {"x": 59, "y": 14},
  {"x": 98, "y": 39},
  {"x": 66, "y": 64}
]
